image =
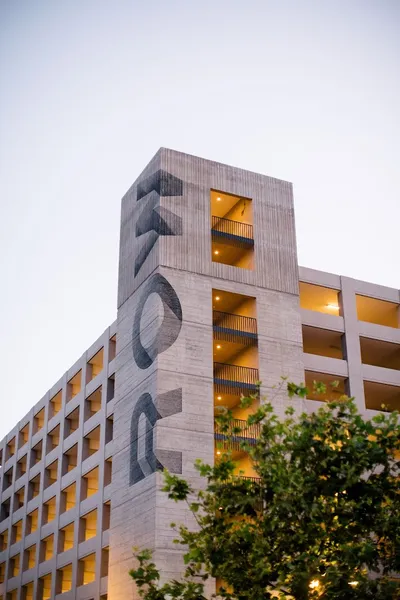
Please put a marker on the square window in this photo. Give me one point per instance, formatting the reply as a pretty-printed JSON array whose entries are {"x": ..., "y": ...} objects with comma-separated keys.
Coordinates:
[
  {"x": 50, "y": 474},
  {"x": 16, "y": 532},
  {"x": 21, "y": 467},
  {"x": 7, "y": 479},
  {"x": 68, "y": 497},
  {"x": 30, "y": 558},
  {"x": 14, "y": 566},
  {"x": 95, "y": 365},
  {"x": 55, "y": 404},
  {"x": 90, "y": 483},
  {"x": 64, "y": 579},
  {"x": 38, "y": 421},
  {"x": 87, "y": 569},
  {"x": 53, "y": 439},
  {"x": 23, "y": 436},
  {"x": 37, "y": 453},
  {"x": 93, "y": 403},
  {"x": 34, "y": 487},
  {"x": 32, "y": 521},
  {"x": 88, "y": 526},
  {"x": 74, "y": 385},
  {"x": 49, "y": 510},
  {"x": 71, "y": 422},
  {"x": 10, "y": 448},
  {"x": 27, "y": 591},
  {"x": 70, "y": 459},
  {"x": 66, "y": 538},
  {"x": 5, "y": 510},
  {"x": 4, "y": 540},
  {"x": 45, "y": 587},
  {"x": 47, "y": 548},
  {"x": 91, "y": 442},
  {"x": 19, "y": 499}
]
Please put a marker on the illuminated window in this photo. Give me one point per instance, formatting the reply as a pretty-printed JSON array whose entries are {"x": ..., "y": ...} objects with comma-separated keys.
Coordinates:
[
  {"x": 87, "y": 569},
  {"x": 45, "y": 587},
  {"x": 38, "y": 421},
  {"x": 4, "y": 540},
  {"x": 14, "y": 565},
  {"x": 66, "y": 538},
  {"x": 47, "y": 548},
  {"x": 53, "y": 439},
  {"x": 27, "y": 591},
  {"x": 91, "y": 442},
  {"x": 70, "y": 459},
  {"x": 10, "y": 448},
  {"x": 88, "y": 526},
  {"x": 30, "y": 558},
  {"x": 68, "y": 497},
  {"x": 71, "y": 422},
  {"x": 2, "y": 572},
  {"x": 21, "y": 466},
  {"x": 74, "y": 386},
  {"x": 93, "y": 403},
  {"x": 32, "y": 521},
  {"x": 23, "y": 436},
  {"x": 16, "y": 532},
  {"x": 34, "y": 487},
  {"x": 90, "y": 483},
  {"x": 36, "y": 453},
  {"x": 95, "y": 365},
  {"x": 49, "y": 510},
  {"x": 380, "y": 312},
  {"x": 13, "y": 595},
  {"x": 319, "y": 298},
  {"x": 64, "y": 579},
  {"x": 55, "y": 404},
  {"x": 19, "y": 498},
  {"x": 50, "y": 474}
]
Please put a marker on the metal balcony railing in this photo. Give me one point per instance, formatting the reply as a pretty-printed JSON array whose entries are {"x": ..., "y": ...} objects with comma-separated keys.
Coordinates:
[
  {"x": 231, "y": 229},
  {"x": 232, "y": 438},
  {"x": 224, "y": 320},
  {"x": 252, "y": 479},
  {"x": 236, "y": 374}
]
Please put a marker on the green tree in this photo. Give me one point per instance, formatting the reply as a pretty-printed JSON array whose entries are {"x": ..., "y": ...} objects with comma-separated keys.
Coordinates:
[{"x": 321, "y": 520}]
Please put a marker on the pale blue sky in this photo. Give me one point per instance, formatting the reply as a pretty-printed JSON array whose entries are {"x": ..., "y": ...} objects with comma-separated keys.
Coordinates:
[{"x": 307, "y": 91}]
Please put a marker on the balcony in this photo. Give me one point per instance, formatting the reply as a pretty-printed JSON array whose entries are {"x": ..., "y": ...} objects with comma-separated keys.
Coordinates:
[
  {"x": 235, "y": 232},
  {"x": 228, "y": 376},
  {"x": 234, "y": 328},
  {"x": 232, "y": 439}
]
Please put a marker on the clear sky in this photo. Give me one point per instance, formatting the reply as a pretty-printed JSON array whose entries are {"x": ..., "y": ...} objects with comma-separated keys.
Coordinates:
[{"x": 307, "y": 91}]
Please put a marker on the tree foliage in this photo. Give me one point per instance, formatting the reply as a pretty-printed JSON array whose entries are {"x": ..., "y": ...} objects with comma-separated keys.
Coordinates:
[{"x": 320, "y": 521}]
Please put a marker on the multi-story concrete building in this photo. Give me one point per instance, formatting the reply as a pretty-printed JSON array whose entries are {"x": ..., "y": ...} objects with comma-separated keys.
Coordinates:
[{"x": 210, "y": 301}]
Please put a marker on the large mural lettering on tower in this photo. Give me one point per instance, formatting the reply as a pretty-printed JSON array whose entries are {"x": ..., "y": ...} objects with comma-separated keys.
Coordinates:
[{"x": 154, "y": 221}]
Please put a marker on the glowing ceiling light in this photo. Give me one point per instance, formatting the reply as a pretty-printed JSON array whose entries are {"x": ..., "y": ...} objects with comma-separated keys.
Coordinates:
[
  {"x": 218, "y": 452},
  {"x": 314, "y": 584},
  {"x": 332, "y": 306},
  {"x": 217, "y": 298},
  {"x": 218, "y": 347},
  {"x": 218, "y": 199},
  {"x": 216, "y": 251},
  {"x": 353, "y": 583},
  {"x": 219, "y": 397}
]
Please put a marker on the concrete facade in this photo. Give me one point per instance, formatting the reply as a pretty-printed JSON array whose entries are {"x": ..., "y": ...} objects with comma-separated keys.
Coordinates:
[{"x": 157, "y": 366}]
